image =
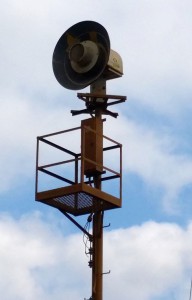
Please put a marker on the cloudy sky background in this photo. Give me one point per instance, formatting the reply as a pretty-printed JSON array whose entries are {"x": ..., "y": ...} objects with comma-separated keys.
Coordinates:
[{"x": 148, "y": 247}]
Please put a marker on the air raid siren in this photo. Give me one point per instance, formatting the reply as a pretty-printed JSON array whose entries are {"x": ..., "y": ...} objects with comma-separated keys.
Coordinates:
[{"x": 82, "y": 55}]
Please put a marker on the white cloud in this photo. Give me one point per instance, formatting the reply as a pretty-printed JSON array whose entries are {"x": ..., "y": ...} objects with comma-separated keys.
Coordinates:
[
  {"x": 21, "y": 122},
  {"x": 152, "y": 157},
  {"x": 149, "y": 260},
  {"x": 156, "y": 53},
  {"x": 39, "y": 262}
]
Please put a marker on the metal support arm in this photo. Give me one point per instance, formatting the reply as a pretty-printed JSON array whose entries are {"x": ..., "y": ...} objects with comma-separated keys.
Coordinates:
[{"x": 76, "y": 224}]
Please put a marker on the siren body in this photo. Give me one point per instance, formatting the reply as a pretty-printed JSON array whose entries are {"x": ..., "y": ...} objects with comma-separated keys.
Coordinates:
[{"x": 82, "y": 56}]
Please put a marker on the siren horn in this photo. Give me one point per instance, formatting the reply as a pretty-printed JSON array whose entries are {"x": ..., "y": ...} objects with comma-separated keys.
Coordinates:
[{"x": 81, "y": 55}]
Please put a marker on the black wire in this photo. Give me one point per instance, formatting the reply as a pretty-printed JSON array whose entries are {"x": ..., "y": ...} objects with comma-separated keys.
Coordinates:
[{"x": 85, "y": 236}]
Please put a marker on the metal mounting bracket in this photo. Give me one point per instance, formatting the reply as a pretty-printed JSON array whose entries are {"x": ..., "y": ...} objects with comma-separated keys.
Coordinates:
[
  {"x": 94, "y": 101},
  {"x": 90, "y": 236}
]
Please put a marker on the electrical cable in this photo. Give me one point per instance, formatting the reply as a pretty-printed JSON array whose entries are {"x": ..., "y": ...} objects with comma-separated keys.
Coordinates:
[{"x": 85, "y": 237}]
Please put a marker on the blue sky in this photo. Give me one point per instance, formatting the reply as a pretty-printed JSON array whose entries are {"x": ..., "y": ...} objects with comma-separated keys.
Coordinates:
[{"x": 148, "y": 246}]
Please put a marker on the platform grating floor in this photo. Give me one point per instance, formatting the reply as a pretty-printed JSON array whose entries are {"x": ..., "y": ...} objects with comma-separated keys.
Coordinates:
[{"x": 76, "y": 201}]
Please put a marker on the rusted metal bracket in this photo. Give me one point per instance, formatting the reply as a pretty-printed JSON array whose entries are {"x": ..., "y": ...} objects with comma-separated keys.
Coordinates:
[
  {"x": 90, "y": 236},
  {"x": 94, "y": 101},
  {"x": 106, "y": 273},
  {"x": 107, "y": 225}
]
